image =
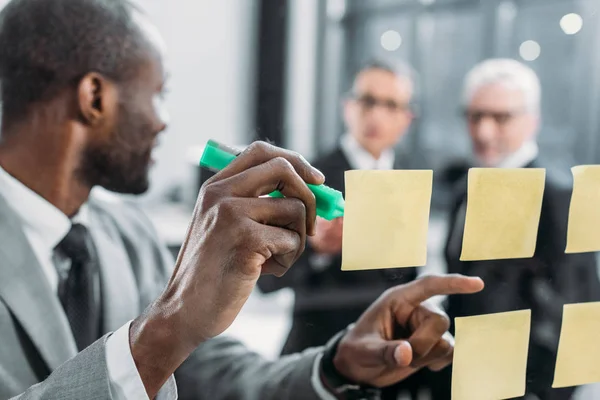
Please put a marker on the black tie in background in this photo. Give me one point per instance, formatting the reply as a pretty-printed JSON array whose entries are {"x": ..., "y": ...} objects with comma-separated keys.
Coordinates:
[{"x": 77, "y": 291}]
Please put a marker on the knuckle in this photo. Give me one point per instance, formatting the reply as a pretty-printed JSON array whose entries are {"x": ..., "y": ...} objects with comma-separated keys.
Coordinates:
[
  {"x": 445, "y": 348},
  {"x": 226, "y": 209},
  {"x": 299, "y": 160},
  {"x": 283, "y": 164},
  {"x": 389, "y": 294},
  {"x": 442, "y": 322},
  {"x": 392, "y": 297},
  {"x": 210, "y": 181},
  {"x": 437, "y": 318},
  {"x": 209, "y": 195},
  {"x": 297, "y": 207},
  {"x": 444, "y": 317},
  {"x": 259, "y": 147},
  {"x": 392, "y": 293}
]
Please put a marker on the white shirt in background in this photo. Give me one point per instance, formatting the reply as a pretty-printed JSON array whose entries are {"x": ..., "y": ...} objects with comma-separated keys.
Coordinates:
[
  {"x": 520, "y": 158},
  {"x": 359, "y": 158}
]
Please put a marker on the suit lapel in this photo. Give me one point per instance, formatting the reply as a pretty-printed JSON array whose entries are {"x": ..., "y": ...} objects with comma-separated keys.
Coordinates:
[
  {"x": 120, "y": 300},
  {"x": 26, "y": 291}
]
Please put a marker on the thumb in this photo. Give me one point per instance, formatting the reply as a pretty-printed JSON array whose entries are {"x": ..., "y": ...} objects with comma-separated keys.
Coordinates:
[{"x": 397, "y": 353}]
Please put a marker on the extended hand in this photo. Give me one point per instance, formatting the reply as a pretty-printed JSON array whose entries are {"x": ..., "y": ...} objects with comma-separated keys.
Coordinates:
[{"x": 373, "y": 352}]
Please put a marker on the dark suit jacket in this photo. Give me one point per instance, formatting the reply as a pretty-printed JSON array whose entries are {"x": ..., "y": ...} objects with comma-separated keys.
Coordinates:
[
  {"x": 543, "y": 283},
  {"x": 38, "y": 356},
  {"x": 329, "y": 299}
]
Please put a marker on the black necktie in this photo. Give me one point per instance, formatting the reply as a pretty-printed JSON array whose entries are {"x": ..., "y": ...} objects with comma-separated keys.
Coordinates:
[{"x": 77, "y": 290}]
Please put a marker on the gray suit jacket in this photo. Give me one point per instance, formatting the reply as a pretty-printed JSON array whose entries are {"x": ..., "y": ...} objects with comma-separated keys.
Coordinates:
[{"x": 38, "y": 357}]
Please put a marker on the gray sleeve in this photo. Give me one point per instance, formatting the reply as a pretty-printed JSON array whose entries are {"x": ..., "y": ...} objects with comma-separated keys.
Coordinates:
[
  {"x": 85, "y": 376},
  {"x": 224, "y": 369}
]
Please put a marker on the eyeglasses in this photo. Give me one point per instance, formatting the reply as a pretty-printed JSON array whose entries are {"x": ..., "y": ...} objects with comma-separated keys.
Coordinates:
[
  {"x": 369, "y": 102},
  {"x": 500, "y": 118}
]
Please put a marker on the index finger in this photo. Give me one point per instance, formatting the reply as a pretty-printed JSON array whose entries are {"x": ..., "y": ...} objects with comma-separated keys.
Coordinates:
[
  {"x": 422, "y": 289},
  {"x": 261, "y": 152}
]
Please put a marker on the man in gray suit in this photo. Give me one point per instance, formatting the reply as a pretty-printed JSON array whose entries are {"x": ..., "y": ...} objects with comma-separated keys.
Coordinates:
[{"x": 90, "y": 305}]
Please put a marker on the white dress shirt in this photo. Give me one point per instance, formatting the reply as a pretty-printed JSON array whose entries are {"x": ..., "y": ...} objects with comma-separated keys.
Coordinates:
[
  {"x": 45, "y": 226},
  {"x": 520, "y": 158},
  {"x": 359, "y": 158}
]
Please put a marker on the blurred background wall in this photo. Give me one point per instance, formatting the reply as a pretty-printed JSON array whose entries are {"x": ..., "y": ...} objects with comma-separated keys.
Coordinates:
[
  {"x": 275, "y": 69},
  {"x": 212, "y": 60},
  {"x": 443, "y": 39}
]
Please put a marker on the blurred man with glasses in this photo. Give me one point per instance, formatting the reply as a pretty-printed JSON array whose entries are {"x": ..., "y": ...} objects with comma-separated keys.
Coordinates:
[
  {"x": 502, "y": 100},
  {"x": 377, "y": 113}
]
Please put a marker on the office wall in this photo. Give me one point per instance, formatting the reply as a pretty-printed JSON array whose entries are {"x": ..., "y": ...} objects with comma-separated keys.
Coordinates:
[
  {"x": 302, "y": 57},
  {"x": 434, "y": 33},
  {"x": 211, "y": 61}
]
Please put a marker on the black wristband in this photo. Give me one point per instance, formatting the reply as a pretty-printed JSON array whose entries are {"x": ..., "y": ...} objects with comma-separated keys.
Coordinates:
[{"x": 341, "y": 387}]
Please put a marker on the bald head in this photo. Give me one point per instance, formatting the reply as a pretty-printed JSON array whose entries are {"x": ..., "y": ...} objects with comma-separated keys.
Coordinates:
[{"x": 47, "y": 46}]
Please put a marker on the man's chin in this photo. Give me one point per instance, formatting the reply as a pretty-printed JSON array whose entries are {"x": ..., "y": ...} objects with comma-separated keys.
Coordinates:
[
  {"x": 484, "y": 161},
  {"x": 130, "y": 188}
]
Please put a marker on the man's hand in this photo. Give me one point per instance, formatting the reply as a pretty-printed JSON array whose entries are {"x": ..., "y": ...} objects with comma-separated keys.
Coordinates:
[
  {"x": 401, "y": 333},
  {"x": 234, "y": 237},
  {"x": 328, "y": 236}
]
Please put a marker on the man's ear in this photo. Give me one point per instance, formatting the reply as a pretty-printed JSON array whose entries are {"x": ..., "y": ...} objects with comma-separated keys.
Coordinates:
[{"x": 97, "y": 98}]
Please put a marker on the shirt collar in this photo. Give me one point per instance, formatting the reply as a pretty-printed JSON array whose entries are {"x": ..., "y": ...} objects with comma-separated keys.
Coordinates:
[
  {"x": 520, "y": 158},
  {"x": 39, "y": 216},
  {"x": 359, "y": 158}
]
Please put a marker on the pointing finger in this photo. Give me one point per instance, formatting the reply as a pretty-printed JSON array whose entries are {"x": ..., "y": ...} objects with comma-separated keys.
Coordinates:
[{"x": 422, "y": 289}]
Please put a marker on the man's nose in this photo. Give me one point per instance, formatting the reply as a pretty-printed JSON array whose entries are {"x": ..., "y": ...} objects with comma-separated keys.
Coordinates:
[
  {"x": 485, "y": 129},
  {"x": 377, "y": 113}
]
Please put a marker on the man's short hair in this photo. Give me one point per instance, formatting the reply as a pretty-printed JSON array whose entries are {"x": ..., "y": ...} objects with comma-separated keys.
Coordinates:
[
  {"x": 507, "y": 72},
  {"x": 397, "y": 68},
  {"x": 49, "y": 45}
]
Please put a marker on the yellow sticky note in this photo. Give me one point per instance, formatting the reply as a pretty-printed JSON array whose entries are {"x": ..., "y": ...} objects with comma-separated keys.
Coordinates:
[
  {"x": 386, "y": 219},
  {"x": 503, "y": 213},
  {"x": 490, "y": 356},
  {"x": 583, "y": 233},
  {"x": 578, "y": 359}
]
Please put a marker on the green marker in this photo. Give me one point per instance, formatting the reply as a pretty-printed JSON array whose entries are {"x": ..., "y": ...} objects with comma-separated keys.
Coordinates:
[{"x": 330, "y": 202}]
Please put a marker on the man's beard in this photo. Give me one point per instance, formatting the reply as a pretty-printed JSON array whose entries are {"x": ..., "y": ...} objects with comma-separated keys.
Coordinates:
[{"x": 122, "y": 164}]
